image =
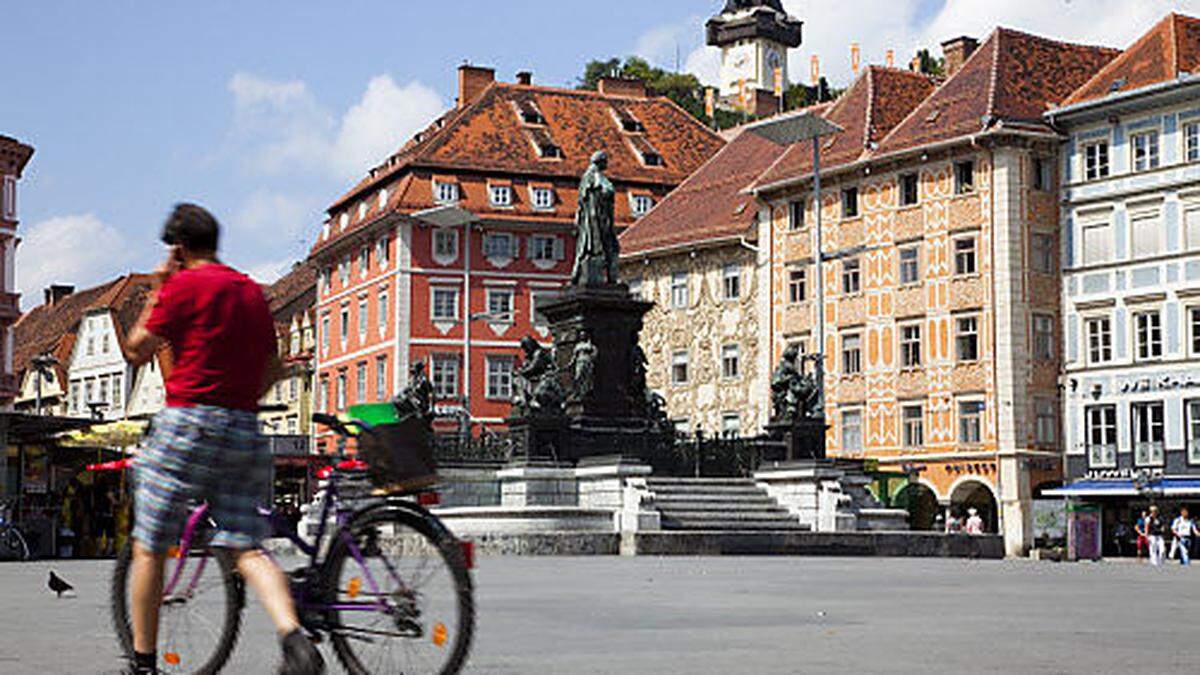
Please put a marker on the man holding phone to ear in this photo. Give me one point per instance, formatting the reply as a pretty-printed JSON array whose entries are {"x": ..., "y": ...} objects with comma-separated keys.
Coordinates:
[{"x": 205, "y": 444}]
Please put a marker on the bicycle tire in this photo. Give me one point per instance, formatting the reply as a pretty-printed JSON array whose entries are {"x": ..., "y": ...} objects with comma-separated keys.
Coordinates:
[
  {"x": 448, "y": 549},
  {"x": 15, "y": 541},
  {"x": 235, "y": 594}
]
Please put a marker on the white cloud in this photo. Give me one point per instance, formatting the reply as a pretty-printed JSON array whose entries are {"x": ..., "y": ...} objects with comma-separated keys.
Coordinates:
[
  {"x": 75, "y": 249},
  {"x": 269, "y": 272},
  {"x": 274, "y": 214},
  {"x": 281, "y": 128}
]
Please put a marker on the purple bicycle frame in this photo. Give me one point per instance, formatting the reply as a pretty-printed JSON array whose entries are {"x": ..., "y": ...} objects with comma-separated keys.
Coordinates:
[{"x": 280, "y": 526}]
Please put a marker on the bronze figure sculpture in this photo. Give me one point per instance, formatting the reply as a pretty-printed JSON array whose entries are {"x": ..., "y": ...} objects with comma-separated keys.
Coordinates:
[{"x": 596, "y": 247}]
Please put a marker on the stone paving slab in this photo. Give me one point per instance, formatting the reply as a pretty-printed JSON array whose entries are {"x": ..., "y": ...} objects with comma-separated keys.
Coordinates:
[{"x": 608, "y": 614}]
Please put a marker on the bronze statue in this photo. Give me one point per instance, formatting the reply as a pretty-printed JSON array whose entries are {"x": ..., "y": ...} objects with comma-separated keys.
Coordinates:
[
  {"x": 637, "y": 375},
  {"x": 596, "y": 247},
  {"x": 583, "y": 367},
  {"x": 539, "y": 392},
  {"x": 417, "y": 398},
  {"x": 795, "y": 394}
]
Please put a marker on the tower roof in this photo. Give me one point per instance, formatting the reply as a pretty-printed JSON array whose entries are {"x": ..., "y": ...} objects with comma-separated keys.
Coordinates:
[{"x": 751, "y": 19}]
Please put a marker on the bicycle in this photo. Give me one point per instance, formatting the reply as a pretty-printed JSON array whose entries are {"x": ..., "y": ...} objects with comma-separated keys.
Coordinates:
[
  {"x": 353, "y": 574},
  {"x": 12, "y": 543}
]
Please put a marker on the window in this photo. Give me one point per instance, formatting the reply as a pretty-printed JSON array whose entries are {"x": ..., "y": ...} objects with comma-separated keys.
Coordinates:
[
  {"x": 1043, "y": 337},
  {"x": 293, "y": 425},
  {"x": 344, "y": 270},
  {"x": 543, "y": 198},
  {"x": 104, "y": 343},
  {"x": 382, "y": 252},
  {"x": 500, "y": 304},
  {"x": 851, "y": 276},
  {"x": 345, "y": 335},
  {"x": 1191, "y": 226},
  {"x": 970, "y": 422},
  {"x": 445, "y": 193},
  {"x": 964, "y": 177},
  {"x": 797, "y": 285},
  {"x": 681, "y": 425},
  {"x": 323, "y": 394},
  {"x": 382, "y": 313},
  {"x": 1148, "y": 327},
  {"x": 852, "y": 438},
  {"x": 1042, "y": 175},
  {"x": 341, "y": 390},
  {"x": 381, "y": 378},
  {"x": 343, "y": 220},
  {"x": 730, "y": 362},
  {"x": 500, "y": 245},
  {"x": 1191, "y": 141},
  {"x": 500, "y": 195},
  {"x": 445, "y": 377},
  {"x": 364, "y": 261},
  {"x": 731, "y": 282},
  {"x": 910, "y": 267},
  {"x": 362, "y": 210},
  {"x": 1144, "y": 147},
  {"x": 116, "y": 391},
  {"x": 908, "y": 189},
  {"x": 910, "y": 345},
  {"x": 445, "y": 304},
  {"x": 641, "y": 204},
  {"x": 1148, "y": 433},
  {"x": 542, "y": 248},
  {"x": 679, "y": 290},
  {"x": 1047, "y": 423},
  {"x": 850, "y": 202},
  {"x": 293, "y": 389},
  {"x": 445, "y": 245},
  {"x": 1101, "y": 437},
  {"x": 325, "y": 334},
  {"x": 1099, "y": 337},
  {"x": 1097, "y": 242},
  {"x": 499, "y": 377},
  {"x": 1042, "y": 252},
  {"x": 1095, "y": 160},
  {"x": 679, "y": 368},
  {"x": 966, "y": 338},
  {"x": 360, "y": 388},
  {"x": 91, "y": 346},
  {"x": 796, "y": 215},
  {"x": 851, "y": 354},
  {"x": 1147, "y": 235},
  {"x": 964, "y": 256},
  {"x": 325, "y": 279},
  {"x": 549, "y": 150},
  {"x": 1193, "y": 314},
  {"x": 731, "y": 424},
  {"x": 913, "y": 421},
  {"x": 635, "y": 288},
  {"x": 8, "y": 198},
  {"x": 1192, "y": 408},
  {"x": 75, "y": 391},
  {"x": 362, "y": 319}
]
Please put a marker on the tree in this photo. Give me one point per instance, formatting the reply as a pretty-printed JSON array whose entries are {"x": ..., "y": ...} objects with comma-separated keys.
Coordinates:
[
  {"x": 931, "y": 65},
  {"x": 684, "y": 89}
]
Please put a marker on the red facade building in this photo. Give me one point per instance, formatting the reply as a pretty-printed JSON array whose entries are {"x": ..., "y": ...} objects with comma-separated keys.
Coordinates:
[
  {"x": 14, "y": 155},
  {"x": 439, "y": 253}
]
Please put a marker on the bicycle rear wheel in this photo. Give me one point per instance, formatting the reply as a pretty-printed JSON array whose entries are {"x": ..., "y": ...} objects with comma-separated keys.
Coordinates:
[
  {"x": 402, "y": 596},
  {"x": 200, "y": 616}
]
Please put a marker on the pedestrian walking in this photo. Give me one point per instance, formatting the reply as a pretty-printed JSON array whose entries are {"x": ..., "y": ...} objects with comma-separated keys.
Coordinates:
[
  {"x": 1183, "y": 528},
  {"x": 1143, "y": 541},
  {"x": 974, "y": 522},
  {"x": 1155, "y": 530}
]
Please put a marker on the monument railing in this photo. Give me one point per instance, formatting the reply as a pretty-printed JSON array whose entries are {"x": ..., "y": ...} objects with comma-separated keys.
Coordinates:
[
  {"x": 493, "y": 449},
  {"x": 703, "y": 456}
]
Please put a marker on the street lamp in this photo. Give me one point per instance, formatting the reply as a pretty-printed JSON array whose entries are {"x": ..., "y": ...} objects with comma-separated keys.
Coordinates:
[
  {"x": 42, "y": 363},
  {"x": 788, "y": 130}
]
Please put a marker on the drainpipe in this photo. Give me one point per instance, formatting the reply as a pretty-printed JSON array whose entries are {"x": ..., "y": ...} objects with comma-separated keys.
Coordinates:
[{"x": 466, "y": 380}]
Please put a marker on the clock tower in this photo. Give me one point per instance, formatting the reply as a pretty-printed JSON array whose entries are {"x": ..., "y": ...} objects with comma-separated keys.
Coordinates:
[{"x": 754, "y": 37}]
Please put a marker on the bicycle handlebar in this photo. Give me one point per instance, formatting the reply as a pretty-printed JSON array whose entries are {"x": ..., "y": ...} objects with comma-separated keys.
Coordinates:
[{"x": 339, "y": 427}]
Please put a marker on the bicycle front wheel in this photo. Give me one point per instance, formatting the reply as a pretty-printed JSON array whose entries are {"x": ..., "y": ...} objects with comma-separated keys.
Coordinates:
[
  {"x": 200, "y": 615},
  {"x": 402, "y": 597}
]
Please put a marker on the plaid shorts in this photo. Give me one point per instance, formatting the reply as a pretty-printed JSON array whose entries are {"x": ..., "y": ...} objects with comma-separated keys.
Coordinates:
[{"x": 202, "y": 454}]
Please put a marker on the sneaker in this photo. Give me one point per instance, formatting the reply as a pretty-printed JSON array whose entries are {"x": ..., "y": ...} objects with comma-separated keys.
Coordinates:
[{"x": 300, "y": 657}]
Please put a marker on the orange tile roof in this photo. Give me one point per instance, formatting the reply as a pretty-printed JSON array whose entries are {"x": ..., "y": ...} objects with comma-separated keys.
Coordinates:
[
  {"x": 301, "y": 279},
  {"x": 52, "y": 329},
  {"x": 711, "y": 204},
  {"x": 1169, "y": 49},
  {"x": 489, "y": 138}
]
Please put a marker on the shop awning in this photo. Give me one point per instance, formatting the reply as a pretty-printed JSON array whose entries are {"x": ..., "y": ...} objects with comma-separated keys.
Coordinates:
[{"x": 1157, "y": 487}]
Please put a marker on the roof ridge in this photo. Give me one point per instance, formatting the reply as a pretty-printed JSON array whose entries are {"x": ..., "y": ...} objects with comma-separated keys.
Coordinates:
[
  {"x": 869, "y": 113},
  {"x": 1050, "y": 40},
  {"x": 1173, "y": 19},
  {"x": 994, "y": 76},
  {"x": 1115, "y": 62}
]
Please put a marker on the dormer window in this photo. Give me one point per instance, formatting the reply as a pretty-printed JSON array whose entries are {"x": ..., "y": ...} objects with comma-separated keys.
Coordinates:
[
  {"x": 640, "y": 204},
  {"x": 343, "y": 221},
  {"x": 362, "y": 210},
  {"x": 650, "y": 158},
  {"x": 501, "y": 196},
  {"x": 542, "y": 198},
  {"x": 550, "y": 151},
  {"x": 445, "y": 192},
  {"x": 629, "y": 123},
  {"x": 383, "y": 197},
  {"x": 529, "y": 113}
]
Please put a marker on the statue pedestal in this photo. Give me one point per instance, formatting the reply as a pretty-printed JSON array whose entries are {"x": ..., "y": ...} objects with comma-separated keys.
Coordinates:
[
  {"x": 537, "y": 438},
  {"x": 804, "y": 439}
]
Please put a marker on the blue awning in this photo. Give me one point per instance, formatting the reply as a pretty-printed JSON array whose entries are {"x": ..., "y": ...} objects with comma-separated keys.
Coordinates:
[{"x": 1158, "y": 487}]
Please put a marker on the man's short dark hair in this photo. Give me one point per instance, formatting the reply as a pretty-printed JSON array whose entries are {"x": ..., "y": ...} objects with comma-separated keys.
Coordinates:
[{"x": 191, "y": 227}]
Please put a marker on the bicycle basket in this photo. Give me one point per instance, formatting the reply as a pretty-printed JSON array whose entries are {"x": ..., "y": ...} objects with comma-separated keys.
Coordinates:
[{"x": 399, "y": 456}]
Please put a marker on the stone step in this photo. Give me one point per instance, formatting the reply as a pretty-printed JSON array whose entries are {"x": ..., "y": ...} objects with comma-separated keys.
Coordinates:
[
  {"x": 663, "y": 481},
  {"x": 759, "y": 514},
  {"x": 673, "y": 490},
  {"x": 717, "y": 505},
  {"x": 733, "y": 525}
]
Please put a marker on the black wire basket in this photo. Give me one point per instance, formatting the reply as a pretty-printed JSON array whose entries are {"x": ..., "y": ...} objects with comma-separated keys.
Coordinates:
[{"x": 399, "y": 455}]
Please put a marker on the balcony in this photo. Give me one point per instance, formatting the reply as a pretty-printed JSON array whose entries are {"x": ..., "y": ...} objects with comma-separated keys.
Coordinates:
[{"x": 10, "y": 306}]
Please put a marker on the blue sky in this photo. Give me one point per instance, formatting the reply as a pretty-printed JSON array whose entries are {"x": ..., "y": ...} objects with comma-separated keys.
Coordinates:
[{"x": 266, "y": 111}]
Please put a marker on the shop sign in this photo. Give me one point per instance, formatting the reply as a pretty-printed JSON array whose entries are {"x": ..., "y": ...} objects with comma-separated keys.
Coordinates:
[
  {"x": 1121, "y": 474},
  {"x": 1160, "y": 383}
]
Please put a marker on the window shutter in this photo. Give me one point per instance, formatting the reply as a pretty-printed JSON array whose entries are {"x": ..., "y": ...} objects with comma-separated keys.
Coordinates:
[{"x": 560, "y": 249}]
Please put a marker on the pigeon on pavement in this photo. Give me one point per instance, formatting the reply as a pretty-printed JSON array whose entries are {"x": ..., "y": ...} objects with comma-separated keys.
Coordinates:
[{"x": 58, "y": 585}]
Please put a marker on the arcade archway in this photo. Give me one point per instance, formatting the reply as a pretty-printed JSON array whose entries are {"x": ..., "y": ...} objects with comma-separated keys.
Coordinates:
[
  {"x": 975, "y": 494},
  {"x": 921, "y": 504}
]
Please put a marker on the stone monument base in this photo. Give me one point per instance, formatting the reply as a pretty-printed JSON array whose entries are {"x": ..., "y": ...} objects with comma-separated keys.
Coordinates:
[{"x": 803, "y": 439}]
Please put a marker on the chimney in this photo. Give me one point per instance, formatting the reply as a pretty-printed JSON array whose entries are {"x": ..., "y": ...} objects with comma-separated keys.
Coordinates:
[
  {"x": 957, "y": 51},
  {"x": 472, "y": 81},
  {"x": 525, "y": 78},
  {"x": 764, "y": 104},
  {"x": 619, "y": 86},
  {"x": 55, "y": 293}
]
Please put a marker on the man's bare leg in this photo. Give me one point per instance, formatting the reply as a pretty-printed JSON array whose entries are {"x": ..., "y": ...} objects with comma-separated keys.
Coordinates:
[
  {"x": 145, "y": 590},
  {"x": 271, "y": 586}
]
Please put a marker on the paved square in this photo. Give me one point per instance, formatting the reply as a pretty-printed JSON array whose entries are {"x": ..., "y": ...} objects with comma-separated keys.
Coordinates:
[{"x": 726, "y": 615}]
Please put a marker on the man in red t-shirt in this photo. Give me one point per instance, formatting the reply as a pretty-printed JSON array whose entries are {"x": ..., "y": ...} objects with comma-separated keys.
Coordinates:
[{"x": 205, "y": 444}]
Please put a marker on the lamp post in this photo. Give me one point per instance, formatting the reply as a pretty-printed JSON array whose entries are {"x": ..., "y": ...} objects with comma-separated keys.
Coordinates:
[{"x": 42, "y": 363}]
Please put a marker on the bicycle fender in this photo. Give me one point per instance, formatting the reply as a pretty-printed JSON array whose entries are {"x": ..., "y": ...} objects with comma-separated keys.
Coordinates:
[{"x": 399, "y": 505}]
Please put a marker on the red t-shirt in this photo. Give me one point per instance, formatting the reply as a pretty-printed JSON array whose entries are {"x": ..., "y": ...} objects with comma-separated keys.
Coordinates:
[{"x": 221, "y": 334}]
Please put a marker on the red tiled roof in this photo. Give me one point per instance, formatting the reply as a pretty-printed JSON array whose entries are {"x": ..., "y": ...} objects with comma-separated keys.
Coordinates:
[
  {"x": 709, "y": 205},
  {"x": 300, "y": 280},
  {"x": 1012, "y": 77},
  {"x": 489, "y": 137},
  {"x": 52, "y": 329},
  {"x": 1169, "y": 49},
  {"x": 873, "y": 105}
]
